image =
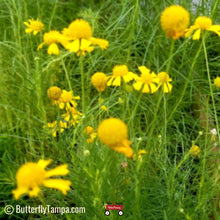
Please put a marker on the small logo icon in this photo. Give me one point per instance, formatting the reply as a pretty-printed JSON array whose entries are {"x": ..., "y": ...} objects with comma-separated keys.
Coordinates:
[
  {"x": 113, "y": 206},
  {"x": 9, "y": 209}
]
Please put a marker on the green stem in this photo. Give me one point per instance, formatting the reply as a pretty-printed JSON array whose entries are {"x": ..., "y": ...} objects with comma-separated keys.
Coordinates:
[
  {"x": 67, "y": 74},
  {"x": 186, "y": 84},
  {"x": 170, "y": 56},
  {"x": 210, "y": 84},
  {"x": 82, "y": 84}
]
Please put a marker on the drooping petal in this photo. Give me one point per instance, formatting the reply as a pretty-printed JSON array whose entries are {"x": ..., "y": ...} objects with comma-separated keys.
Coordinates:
[
  {"x": 102, "y": 43},
  {"x": 73, "y": 46},
  {"x": 196, "y": 35},
  {"x": 215, "y": 29},
  {"x": 189, "y": 31},
  {"x": 53, "y": 49},
  {"x": 153, "y": 88},
  {"x": 144, "y": 69},
  {"x": 62, "y": 185},
  {"x": 19, "y": 191},
  {"x": 137, "y": 85},
  {"x": 34, "y": 192},
  {"x": 28, "y": 30},
  {"x": 44, "y": 163},
  {"x": 60, "y": 170},
  {"x": 146, "y": 88},
  {"x": 40, "y": 46},
  {"x": 117, "y": 81},
  {"x": 111, "y": 78}
]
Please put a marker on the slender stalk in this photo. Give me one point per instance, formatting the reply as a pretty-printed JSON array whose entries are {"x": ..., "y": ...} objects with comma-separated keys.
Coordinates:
[
  {"x": 82, "y": 84},
  {"x": 66, "y": 74},
  {"x": 210, "y": 84},
  {"x": 170, "y": 56}
]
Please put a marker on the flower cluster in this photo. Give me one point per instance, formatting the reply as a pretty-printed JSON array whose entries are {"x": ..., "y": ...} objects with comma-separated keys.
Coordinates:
[
  {"x": 65, "y": 100},
  {"x": 77, "y": 37}
]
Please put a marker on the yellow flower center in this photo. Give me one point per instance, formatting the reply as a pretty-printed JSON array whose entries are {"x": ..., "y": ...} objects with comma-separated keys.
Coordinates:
[
  {"x": 99, "y": 80},
  {"x": 147, "y": 78},
  {"x": 52, "y": 37},
  {"x": 203, "y": 22},
  {"x": 78, "y": 29},
  {"x": 30, "y": 175},
  {"x": 54, "y": 92},
  {"x": 120, "y": 70},
  {"x": 163, "y": 77},
  {"x": 66, "y": 96}
]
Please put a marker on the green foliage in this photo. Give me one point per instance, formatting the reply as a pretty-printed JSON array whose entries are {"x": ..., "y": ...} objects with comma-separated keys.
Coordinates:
[{"x": 167, "y": 182}]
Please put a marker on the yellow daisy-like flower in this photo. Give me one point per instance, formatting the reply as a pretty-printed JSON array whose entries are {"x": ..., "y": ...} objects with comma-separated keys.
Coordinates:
[
  {"x": 195, "y": 150},
  {"x": 202, "y": 23},
  {"x": 147, "y": 82},
  {"x": 104, "y": 108},
  {"x": 54, "y": 93},
  {"x": 99, "y": 81},
  {"x": 31, "y": 176},
  {"x": 174, "y": 20},
  {"x": 120, "y": 72},
  {"x": 90, "y": 134},
  {"x": 67, "y": 100},
  {"x": 52, "y": 38},
  {"x": 164, "y": 80},
  {"x": 114, "y": 133},
  {"x": 140, "y": 153},
  {"x": 79, "y": 33},
  {"x": 217, "y": 82},
  {"x": 34, "y": 26}
]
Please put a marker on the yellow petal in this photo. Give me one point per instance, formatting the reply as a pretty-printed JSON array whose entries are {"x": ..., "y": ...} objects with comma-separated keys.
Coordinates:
[
  {"x": 144, "y": 69},
  {"x": 19, "y": 191},
  {"x": 146, "y": 88},
  {"x": 137, "y": 85},
  {"x": 196, "y": 35},
  {"x": 28, "y": 30},
  {"x": 111, "y": 78},
  {"x": 215, "y": 29},
  {"x": 189, "y": 31},
  {"x": 74, "y": 46},
  {"x": 34, "y": 192},
  {"x": 117, "y": 81},
  {"x": 53, "y": 49},
  {"x": 62, "y": 185},
  {"x": 153, "y": 88},
  {"x": 84, "y": 44},
  {"x": 35, "y": 32},
  {"x": 44, "y": 163},
  {"x": 40, "y": 46},
  {"x": 60, "y": 170}
]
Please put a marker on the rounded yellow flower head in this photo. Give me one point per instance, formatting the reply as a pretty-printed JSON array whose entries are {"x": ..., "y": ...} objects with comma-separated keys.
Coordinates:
[
  {"x": 217, "y": 82},
  {"x": 194, "y": 150},
  {"x": 120, "y": 70},
  {"x": 174, "y": 20},
  {"x": 31, "y": 176},
  {"x": 204, "y": 23},
  {"x": 114, "y": 133},
  {"x": 99, "y": 81},
  {"x": 34, "y": 26},
  {"x": 78, "y": 29},
  {"x": 54, "y": 93}
]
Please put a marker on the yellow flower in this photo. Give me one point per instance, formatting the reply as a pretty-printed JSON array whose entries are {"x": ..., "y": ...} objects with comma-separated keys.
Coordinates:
[
  {"x": 120, "y": 72},
  {"x": 202, "y": 23},
  {"x": 147, "y": 81},
  {"x": 90, "y": 134},
  {"x": 140, "y": 153},
  {"x": 67, "y": 100},
  {"x": 164, "y": 80},
  {"x": 99, "y": 81},
  {"x": 34, "y": 26},
  {"x": 52, "y": 38},
  {"x": 104, "y": 108},
  {"x": 55, "y": 127},
  {"x": 194, "y": 150},
  {"x": 31, "y": 176},
  {"x": 79, "y": 33},
  {"x": 114, "y": 133},
  {"x": 174, "y": 20},
  {"x": 217, "y": 81},
  {"x": 72, "y": 116},
  {"x": 54, "y": 93}
]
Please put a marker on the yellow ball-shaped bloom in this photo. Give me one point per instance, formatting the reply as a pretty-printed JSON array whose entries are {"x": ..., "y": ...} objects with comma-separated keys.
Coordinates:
[
  {"x": 54, "y": 93},
  {"x": 174, "y": 20},
  {"x": 99, "y": 81},
  {"x": 78, "y": 29},
  {"x": 112, "y": 132}
]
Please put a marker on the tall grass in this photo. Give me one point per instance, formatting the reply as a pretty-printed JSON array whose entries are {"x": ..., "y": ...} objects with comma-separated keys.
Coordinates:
[{"x": 167, "y": 182}]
